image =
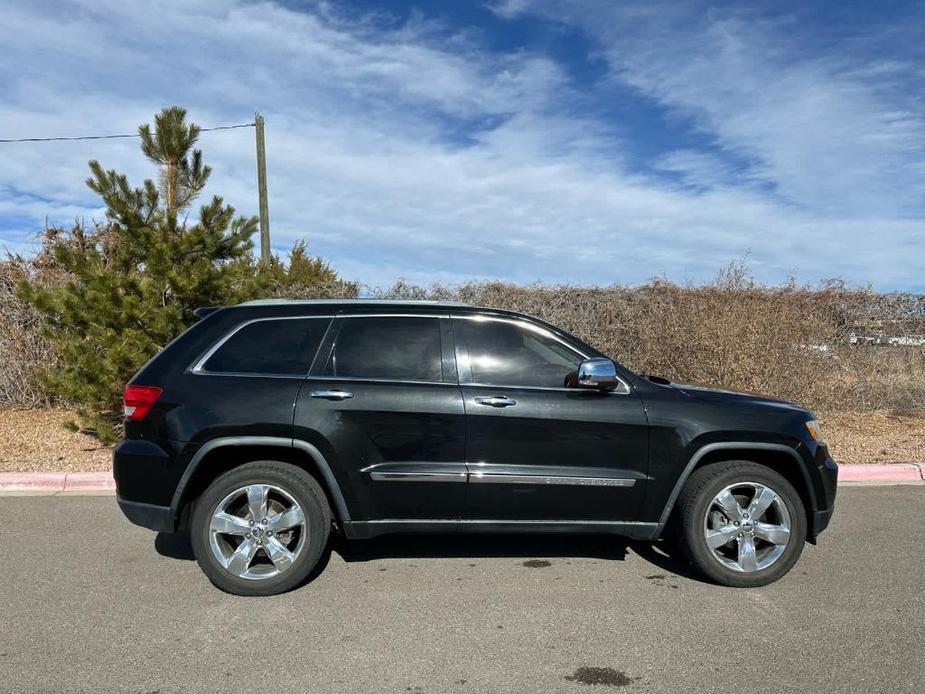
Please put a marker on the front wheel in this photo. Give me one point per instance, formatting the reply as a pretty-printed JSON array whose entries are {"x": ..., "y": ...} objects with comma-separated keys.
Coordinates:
[
  {"x": 260, "y": 528},
  {"x": 742, "y": 524}
]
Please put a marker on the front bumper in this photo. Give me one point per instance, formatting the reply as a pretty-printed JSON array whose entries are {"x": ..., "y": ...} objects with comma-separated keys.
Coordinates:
[{"x": 828, "y": 475}]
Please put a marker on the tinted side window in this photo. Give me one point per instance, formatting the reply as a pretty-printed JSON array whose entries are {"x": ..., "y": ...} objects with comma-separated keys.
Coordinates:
[
  {"x": 400, "y": 349},
  {"x": 270, "y": 347},
  {"x": 507, "y": 354}
]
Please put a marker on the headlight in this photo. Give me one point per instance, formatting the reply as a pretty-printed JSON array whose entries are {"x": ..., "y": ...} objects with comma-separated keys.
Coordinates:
[{"x": 812, "y": 426}]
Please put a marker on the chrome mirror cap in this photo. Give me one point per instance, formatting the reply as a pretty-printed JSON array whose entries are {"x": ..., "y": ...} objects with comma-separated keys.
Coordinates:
[{"x": 598, "y": 373}]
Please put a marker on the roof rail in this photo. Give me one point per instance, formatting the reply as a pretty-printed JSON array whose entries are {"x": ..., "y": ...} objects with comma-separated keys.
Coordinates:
[
  {"x": 354, "y": 302},
  {"x": 204, "y": 311}
]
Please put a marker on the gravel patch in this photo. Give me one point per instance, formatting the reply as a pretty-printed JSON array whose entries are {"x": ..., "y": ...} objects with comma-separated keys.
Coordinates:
[
  {"x": 36, "y": 440},
  {"x": 875, "y": 437}
]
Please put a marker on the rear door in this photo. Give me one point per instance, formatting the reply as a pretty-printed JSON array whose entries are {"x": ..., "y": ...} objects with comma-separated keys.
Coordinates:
[
  {"x": 382, "y": 403},
  {"x": 536, "y": 450}
]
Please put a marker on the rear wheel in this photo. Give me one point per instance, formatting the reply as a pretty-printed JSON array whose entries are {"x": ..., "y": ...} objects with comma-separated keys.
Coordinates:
[
  {"x": 741, "y": 524},
  {"x": 261, "y": 528}
]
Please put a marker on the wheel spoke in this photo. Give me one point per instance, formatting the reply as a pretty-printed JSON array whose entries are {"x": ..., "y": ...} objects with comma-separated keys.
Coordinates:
[
  {"x": 287, "y": 519},
  {"x": 257, "y": 501},
  {"x": 228, "y": 524},
  {"x": 763, "y": 499},
  {"x": 718, "y": 538},
  {"x": 281, "y": 557},
  {"x": 748, "y": 558},
  {"x": 726, "y": 501},
  {"x": 240, "y": 561},
  {"x": 775, "y": 534}
]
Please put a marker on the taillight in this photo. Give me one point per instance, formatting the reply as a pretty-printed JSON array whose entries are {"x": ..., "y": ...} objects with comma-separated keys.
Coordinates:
[{"x": 137, "y": 400}]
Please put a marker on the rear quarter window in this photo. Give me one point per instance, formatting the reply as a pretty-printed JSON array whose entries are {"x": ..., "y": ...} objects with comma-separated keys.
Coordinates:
[{"x": 281, "y": 346}]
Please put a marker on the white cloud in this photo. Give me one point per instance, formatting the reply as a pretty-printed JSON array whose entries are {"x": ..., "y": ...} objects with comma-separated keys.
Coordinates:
[
  {"x": 699, "y": 169},
  {"x": 834, "y": 130},
  {"x": 410, "y": 150}
]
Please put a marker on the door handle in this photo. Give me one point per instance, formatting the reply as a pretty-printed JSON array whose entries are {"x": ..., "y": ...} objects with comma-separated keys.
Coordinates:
[
  {"x": 496, "y": 401},
  {"x": 331, "y": 394}
]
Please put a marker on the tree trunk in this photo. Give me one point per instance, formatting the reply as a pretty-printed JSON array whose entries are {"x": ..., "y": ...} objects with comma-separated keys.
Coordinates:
[{"x": 171, "y": 186}]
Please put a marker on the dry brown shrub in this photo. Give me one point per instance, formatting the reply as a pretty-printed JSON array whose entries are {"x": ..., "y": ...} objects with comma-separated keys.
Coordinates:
[
  {"x": 22, "y": 347},
  {"x": 827, "y": 347},
  {"x": 832, "y": 348}
]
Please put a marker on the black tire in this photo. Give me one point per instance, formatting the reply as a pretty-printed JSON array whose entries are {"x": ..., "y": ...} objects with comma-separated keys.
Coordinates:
[
  {"x": 296, "y": 482},
  {"x": 695, "y": 501}
]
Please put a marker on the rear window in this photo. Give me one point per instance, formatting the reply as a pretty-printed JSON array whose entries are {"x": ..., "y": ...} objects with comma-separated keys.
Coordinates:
[
  {"x": 272, "y": 346},
  {"x": 392, "y": 348}
]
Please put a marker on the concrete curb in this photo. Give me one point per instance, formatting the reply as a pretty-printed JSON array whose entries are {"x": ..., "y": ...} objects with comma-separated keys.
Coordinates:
[
  {"x": 57, "y": 482},
  {"x": 896, "y": 472},
  {"x": 50, "y": 483}
]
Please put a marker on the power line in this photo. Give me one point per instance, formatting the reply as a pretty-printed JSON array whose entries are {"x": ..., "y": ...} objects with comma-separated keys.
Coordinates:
[{"x": 114, "y": 137}]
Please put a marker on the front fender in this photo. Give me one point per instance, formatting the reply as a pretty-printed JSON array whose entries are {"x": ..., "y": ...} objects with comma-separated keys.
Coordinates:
[{"x": 745, "y": 447}]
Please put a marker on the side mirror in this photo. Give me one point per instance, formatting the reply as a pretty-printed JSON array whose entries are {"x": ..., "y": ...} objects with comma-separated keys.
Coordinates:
[{"x": 598, "y": 373}]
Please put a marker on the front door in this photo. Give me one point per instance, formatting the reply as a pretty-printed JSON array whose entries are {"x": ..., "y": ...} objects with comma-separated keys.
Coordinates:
[
  {"x": 536, "y": 450},
  {"x": 383, "y": 405}
]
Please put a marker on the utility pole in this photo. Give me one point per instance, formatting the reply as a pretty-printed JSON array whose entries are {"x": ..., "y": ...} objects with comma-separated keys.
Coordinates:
[{"x": 262, "y": 192}]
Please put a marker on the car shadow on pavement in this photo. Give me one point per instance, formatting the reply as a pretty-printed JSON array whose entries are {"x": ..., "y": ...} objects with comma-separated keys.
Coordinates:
[
  {"x": 406, "y": 546},
  {"x": 664, "y": 556},
  {"x": 459, "y": 546},
  {"x": 453, "y": 546},
  {"x": 174, "y": 545},
  {"x": 435, "y": 546}
]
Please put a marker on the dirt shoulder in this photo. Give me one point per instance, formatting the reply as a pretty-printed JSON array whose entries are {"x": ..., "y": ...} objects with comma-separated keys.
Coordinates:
[
  {"x": 36, "y": 440},
  {"x": 875, "y": 437}
]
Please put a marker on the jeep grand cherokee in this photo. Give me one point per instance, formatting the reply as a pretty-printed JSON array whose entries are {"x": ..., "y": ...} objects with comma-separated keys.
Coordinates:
[{"x": 268, "y": 423}]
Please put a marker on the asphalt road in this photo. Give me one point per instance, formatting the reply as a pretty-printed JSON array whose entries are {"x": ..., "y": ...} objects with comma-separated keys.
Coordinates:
[{"x": 90, "y": 603}]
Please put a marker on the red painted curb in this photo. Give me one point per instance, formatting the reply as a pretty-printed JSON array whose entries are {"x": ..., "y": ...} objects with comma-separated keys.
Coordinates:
[
  {"x": 53, "y": 482},
  {"x": 899, "y": 472},
  {"x": 32, "y": 481},
  {"x": 89, "y": 482}
]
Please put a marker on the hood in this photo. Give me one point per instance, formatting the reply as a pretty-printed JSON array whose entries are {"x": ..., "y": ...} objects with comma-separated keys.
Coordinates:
[{"x": 733, "y": 398}]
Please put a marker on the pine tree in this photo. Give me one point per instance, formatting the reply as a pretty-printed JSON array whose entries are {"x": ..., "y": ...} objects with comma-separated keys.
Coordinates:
[
  {"x": 304, "y": 270},
  {"x": 132, "y": 283},
  {"x": 183, "y": 175}
]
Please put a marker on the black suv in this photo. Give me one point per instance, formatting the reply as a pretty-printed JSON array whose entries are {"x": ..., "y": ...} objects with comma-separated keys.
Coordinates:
[{"x": 267, "y": 423}]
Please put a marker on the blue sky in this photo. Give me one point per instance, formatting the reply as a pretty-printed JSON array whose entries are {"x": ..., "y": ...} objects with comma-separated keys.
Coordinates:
[{"x": 528, "y": 140}]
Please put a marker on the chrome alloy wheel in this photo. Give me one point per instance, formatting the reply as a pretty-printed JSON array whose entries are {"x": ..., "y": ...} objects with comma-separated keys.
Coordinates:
[
  {"x": 747, "y": 527},
  {"x": 257, "y": 531}
]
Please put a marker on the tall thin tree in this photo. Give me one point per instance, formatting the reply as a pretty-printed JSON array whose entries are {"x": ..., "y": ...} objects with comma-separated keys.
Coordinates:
[
  {"x": 183, "y": 175},
  {"x": 132, "y": 283}
]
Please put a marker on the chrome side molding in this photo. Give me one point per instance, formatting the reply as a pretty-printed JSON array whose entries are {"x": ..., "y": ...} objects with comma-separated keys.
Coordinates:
[
  {"x": 460, "y": 472},
  {"x": 505, "y": 478},
  {"x": 418, "y": 476},
  {"x": 417, "y": 472}
]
